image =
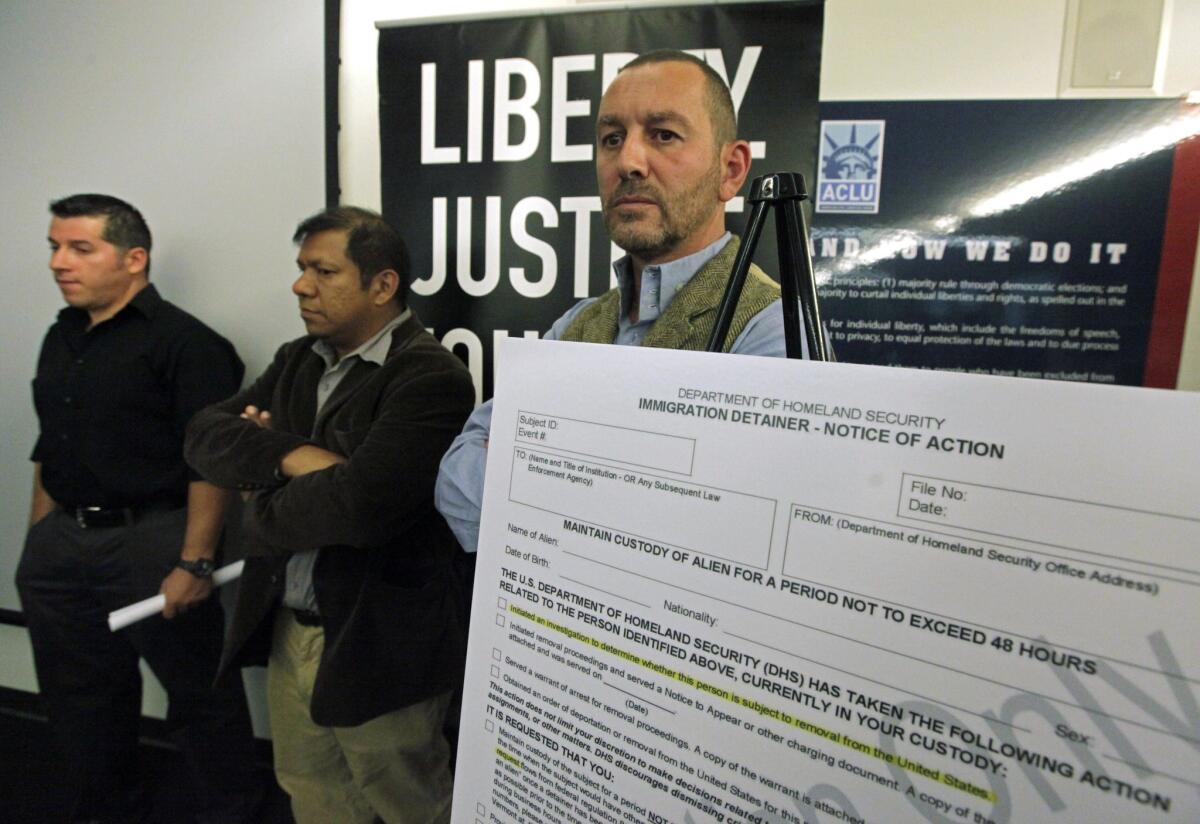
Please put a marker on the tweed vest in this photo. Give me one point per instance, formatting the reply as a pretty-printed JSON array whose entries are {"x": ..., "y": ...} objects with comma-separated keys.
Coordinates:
[{"x": 688, "y": 321}]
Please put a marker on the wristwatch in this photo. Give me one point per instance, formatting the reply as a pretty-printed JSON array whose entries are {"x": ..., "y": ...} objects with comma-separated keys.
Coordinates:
[{"x": 201, "y": 567}]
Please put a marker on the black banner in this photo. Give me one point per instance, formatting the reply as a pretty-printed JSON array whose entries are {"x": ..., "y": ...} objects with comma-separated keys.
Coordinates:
[{"x": 487, "y": 130}]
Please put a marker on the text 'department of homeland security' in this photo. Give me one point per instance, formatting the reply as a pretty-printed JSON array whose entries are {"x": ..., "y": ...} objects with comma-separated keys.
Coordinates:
[{"x": 714, "y": 588}]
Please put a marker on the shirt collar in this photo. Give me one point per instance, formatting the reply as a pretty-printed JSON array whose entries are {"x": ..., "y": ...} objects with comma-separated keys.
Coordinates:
[
  {"x": 375, "y": 349},
  {"x": 670, "y": 278},
  {"x": 146, "y": 302}
]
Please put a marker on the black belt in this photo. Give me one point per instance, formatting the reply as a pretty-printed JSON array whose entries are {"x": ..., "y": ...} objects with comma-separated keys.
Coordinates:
[
  {"x": 306, "y": 618},
  {"x": 99, "y": 517}
]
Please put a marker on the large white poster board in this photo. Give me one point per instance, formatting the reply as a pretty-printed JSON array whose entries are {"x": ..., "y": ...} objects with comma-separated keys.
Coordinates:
[{"x": 715, "y": 588}]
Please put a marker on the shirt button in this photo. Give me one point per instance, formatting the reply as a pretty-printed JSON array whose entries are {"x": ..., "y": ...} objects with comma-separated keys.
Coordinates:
[
  {"x": 67, "y": 400},
  {"x": 62, "y": 437}
]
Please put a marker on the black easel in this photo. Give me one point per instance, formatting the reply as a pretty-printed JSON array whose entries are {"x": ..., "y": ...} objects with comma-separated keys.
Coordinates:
[{"x": 783, "y": 190}]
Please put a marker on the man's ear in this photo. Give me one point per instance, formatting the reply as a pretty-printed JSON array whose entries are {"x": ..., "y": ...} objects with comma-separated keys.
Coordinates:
[
  {"x": 136, "y": 260},
  {"x": 385, "y": 284},
  {"x": 735, "y": 166}
]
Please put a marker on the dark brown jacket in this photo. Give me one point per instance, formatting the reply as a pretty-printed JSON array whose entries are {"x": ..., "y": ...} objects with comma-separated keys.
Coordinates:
[{"x": 392, "y": 607}]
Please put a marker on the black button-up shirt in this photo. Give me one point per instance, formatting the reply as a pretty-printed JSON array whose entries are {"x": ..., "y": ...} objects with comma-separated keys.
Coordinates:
[{"x": 113, "y": 402}]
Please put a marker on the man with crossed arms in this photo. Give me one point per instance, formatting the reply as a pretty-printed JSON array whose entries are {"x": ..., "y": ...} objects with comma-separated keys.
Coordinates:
[{"x": 350, "y": 590}]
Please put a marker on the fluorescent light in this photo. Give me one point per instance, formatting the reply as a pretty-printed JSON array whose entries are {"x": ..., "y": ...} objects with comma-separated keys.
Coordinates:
[{"x": 1150, "y": 141}]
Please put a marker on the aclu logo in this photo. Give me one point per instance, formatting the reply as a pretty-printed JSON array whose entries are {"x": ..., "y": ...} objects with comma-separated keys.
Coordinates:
[{"x": 851, "y": 166}]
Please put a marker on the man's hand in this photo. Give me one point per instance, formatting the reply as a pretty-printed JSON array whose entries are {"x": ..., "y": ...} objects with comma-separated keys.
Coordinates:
[
  {"x": 205, "y": 515},
  {"x": 308, "y": 458},
  {"x": 301, "y": 460},
  {"x": 183, "y": 590},
  {"x": 41, "y": 503},
  {"x": 259, "y": 417}
]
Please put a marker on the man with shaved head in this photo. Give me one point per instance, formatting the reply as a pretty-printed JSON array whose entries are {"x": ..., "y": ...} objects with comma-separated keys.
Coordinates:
[{"x": 667, "y": 161}]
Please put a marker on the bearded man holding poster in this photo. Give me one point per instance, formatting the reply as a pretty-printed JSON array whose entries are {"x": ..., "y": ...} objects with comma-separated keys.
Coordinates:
[{"x": 667, "y": 161}]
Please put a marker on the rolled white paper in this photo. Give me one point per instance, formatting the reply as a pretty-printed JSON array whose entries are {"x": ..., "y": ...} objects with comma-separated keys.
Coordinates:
[{"x": 123, "y": 617}]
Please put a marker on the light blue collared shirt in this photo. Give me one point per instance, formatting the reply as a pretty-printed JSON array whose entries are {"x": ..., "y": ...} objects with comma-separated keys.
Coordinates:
[
  {"x": 459, "y": 490},
  {"x": 298, "y": 592}
]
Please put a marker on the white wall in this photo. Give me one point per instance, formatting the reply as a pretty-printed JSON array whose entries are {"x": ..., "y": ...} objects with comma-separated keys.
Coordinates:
[
  {"x": 941, "y": 49},
  {"x": 207, "y": 116}
]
